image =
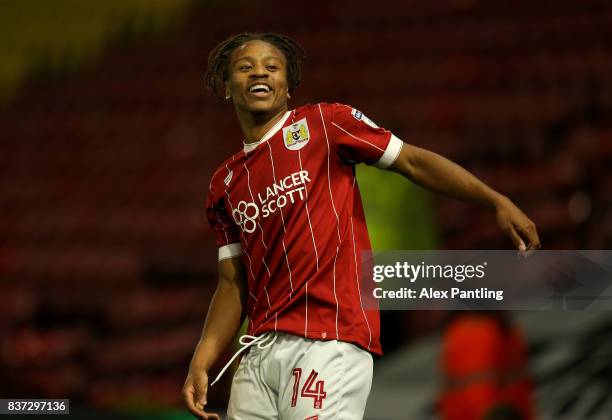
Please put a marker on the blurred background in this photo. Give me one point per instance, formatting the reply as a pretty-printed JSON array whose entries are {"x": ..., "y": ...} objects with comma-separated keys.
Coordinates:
[{"x": 108, "y": 140}]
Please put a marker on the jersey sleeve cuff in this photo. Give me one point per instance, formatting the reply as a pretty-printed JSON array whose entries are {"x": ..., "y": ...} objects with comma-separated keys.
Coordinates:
[
  {"x": 229, "y": 251},
  {"x": 391, "y": 153}
]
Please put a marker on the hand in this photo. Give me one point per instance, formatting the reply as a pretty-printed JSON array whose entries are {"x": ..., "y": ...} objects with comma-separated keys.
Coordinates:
[
  {"x": 195, "y": 393},
  {"x": 517, "y": 225}
]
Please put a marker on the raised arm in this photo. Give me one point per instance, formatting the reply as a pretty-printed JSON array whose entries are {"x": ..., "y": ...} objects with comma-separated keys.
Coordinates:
[
  {"x": 436, "y": 173},
  {"x": 225, "y": 315}
]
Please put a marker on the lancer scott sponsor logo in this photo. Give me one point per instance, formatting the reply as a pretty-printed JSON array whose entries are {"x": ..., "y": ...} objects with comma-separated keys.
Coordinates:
[{"x": 286, "y": 191}]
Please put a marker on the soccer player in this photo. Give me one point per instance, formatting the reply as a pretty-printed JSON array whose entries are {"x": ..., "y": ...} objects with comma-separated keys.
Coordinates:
[{"x": 288, "y": 219}]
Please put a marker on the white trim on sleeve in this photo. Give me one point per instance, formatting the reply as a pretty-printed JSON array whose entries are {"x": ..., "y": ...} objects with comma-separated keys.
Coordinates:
[
  {"x": 229, "y": 251},
  {"x": 391, "y": 153}
]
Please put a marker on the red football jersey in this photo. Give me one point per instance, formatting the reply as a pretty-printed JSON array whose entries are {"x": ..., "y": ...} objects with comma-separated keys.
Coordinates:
[{"x": 290, "y": 206}]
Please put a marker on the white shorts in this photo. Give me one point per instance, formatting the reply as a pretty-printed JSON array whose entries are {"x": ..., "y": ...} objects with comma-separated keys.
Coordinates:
[{"x": 301, "y": 379}]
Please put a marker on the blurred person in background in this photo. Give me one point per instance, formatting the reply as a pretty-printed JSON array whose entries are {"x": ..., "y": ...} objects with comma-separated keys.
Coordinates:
[{"x": 484, "y": 367}]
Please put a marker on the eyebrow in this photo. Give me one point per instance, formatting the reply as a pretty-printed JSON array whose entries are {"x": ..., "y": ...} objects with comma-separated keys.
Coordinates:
[{"x": 267, "y": 57}]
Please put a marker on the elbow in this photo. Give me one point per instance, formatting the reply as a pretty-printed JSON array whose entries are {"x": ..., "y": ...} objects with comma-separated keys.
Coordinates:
[{"x": 407, "y": 163}]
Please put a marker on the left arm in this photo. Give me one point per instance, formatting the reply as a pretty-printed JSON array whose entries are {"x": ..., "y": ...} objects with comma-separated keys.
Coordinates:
[{"x": 436, "y": 173}]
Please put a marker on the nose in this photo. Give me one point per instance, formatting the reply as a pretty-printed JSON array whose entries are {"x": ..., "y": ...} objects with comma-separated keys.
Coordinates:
[{"x": 259, "y": 71}]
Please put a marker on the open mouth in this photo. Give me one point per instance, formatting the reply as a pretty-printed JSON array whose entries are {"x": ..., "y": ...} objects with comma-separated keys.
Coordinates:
[{"x": 260, "y": 89}]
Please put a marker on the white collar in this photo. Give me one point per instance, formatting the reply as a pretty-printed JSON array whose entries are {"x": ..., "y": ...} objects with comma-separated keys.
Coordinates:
[{"x": 272, "y": 131}]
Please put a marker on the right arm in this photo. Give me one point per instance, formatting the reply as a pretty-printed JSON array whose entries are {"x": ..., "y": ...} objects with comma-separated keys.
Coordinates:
[{"x": 225, "y": 315}]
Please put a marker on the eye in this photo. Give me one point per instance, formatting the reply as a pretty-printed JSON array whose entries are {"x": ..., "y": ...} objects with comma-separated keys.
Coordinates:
[
  {"x": 245, "y": 67},
  {"x": 272, "y": 67}
]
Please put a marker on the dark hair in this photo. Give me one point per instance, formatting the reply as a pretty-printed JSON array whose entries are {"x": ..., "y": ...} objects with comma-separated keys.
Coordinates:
[{"x": 218, "y": 59}]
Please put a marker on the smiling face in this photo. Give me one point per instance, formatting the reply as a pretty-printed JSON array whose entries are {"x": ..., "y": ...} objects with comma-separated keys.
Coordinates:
[{"x": 257, "y": 78}]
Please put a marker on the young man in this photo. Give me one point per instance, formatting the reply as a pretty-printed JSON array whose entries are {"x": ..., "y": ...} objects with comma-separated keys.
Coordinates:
[{"x": 288, "y": 219}]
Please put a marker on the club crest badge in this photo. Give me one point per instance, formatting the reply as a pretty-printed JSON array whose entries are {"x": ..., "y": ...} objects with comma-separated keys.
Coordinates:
[{"x": 296, "y": 135}]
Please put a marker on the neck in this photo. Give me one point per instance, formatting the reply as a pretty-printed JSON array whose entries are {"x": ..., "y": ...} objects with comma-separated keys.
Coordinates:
[{"x": 255, "y": 126}]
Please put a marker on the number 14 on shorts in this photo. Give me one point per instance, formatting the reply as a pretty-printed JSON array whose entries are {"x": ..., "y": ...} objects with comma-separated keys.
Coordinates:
[{"x": 309, "y": 389}]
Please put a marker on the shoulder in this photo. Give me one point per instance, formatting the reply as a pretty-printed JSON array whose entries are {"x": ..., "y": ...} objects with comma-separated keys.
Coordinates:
[
  {"x": 323, "y": 109},
  {"x": 307, "y": 110}
]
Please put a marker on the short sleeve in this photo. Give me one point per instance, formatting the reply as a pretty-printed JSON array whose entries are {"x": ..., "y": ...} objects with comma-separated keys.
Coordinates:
[
  {"x": 358, "y": 139},
  {"x": 225, "y": 230}
]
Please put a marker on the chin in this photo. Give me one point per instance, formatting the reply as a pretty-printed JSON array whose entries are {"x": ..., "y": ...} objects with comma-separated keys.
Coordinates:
[{"x": 261, "y": 109}]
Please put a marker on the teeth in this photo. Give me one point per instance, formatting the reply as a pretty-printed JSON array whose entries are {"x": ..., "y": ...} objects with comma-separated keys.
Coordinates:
[{"x": 255, "y": 87}]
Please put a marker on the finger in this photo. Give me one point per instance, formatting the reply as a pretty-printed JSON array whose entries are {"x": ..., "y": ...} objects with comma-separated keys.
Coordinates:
[
  {"x": 201, "y": 388},
  {"x": 197, "y": 413},
  {"x": 530, "y": 233},
  {"x": 189, "y": 396},
  {"x": 206, "y": 415},
  {"x": 213, "y": 416},
  {"x": 516, "y": 239},
  {"x": 528, "y": 250}
]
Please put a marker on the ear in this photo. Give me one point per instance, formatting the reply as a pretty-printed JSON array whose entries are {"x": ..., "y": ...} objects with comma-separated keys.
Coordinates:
[{"x": 228, "y": 93}]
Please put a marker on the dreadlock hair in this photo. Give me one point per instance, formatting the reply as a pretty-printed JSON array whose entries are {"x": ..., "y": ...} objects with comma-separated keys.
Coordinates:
[{"x": 218, "y": 59}]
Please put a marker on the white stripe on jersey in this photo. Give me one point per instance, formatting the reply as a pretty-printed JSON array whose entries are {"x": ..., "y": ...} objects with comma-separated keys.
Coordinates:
[
  {"x": 270, "y": 306},
  {"x": 263, "y": 258},
  {"x": 287, "y": 260},
  {"x": 224, "y": 231},
  {"x": 246, "y": 243},
  {"x": 335, "y": 259},
  {"x": 357, "y": 277},
  {"x": 357, "y": 138},
  {"x": 314, "y": 243},
  {"x": 283, "y": 221},
  {"x": 274, "y": 177},
  {"x": 250, "y": 263},
  {"x": 210, "y": 189},
  {"x": 331, "y": 197},
  {"x": 306, "y": 316}
]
